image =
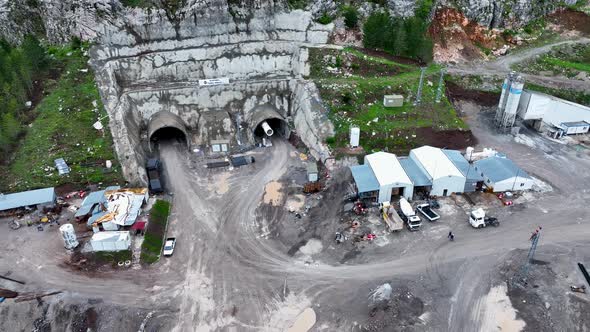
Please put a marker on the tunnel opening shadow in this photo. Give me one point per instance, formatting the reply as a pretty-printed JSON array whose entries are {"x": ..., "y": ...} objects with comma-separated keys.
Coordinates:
[
  {"x": 168, "y": 135},
  {"x": 278, "y": 126}
]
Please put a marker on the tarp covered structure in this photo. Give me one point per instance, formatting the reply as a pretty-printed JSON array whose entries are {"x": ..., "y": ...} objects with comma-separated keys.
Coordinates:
[{"x": 113, "y": 205}]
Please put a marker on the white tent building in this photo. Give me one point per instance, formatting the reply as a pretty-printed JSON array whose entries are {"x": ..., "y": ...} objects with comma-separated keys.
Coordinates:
[
  {"x": 390, "y": 175},
  {"x": 110, "y": 241},
  {"x": 446, "y": 177}
]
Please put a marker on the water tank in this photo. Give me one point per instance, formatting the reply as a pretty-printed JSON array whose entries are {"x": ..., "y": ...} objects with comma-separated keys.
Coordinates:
[
  {"x": 514, "y": 96},
  {"x": 69, "y": 236},
  {"x": 469, "y": 153},
  {"x": 355, "y": 136}
]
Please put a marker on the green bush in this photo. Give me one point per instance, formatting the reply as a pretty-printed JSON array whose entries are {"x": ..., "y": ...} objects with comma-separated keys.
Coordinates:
[
  {"x": 156, "y": 231},
  {"x": 297, "y": 4},
  {"x": 325, "y": 19},
  {"x": 351, "y": 17}
]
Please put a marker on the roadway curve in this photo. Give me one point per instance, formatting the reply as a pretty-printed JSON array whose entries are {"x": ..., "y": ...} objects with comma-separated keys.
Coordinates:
[{"x": 502, "y": 65}]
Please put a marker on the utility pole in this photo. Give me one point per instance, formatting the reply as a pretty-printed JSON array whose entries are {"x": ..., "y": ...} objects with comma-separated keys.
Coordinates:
[
  {"x": 524, "y": 271},
  {"x": 419, "y": 93},
  {"x": 440, "y": 85}
]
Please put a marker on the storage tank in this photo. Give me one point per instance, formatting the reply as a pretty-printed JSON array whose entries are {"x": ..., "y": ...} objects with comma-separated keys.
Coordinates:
[
  {"x": 69, "y": 236},
  {"x": 355, "y": 136},
  {"x": 514, "y": 96},
  {"x": 469, "y": 153},
  {"x": 505, "y": 88}
]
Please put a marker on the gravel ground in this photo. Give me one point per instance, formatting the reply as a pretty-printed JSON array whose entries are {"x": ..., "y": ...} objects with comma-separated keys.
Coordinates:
[{"x": 241, "y": 265}]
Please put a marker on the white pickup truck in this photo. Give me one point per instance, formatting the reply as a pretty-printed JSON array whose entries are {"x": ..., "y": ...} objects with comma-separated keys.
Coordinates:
[
  {"x": 169, "y": 246},
  {"x": 428, "y": 212}
]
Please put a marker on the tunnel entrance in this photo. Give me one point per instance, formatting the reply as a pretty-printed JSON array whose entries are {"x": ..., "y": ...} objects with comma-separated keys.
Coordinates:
[
  {"x": 167, "y": 126},
  {"x": 168, "y": 134},
  {"x": 271, "y": 127}
]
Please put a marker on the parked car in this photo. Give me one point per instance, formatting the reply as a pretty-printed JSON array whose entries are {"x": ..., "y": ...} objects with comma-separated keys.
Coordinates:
[
  {"x": 153, "y": 167},
  {"x": 169, "y": 246}
]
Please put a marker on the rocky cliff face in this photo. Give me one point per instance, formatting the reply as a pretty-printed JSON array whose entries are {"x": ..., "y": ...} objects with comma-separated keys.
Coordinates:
[
  {"x": 58, "y": 20},
  {"x": 505, "y": 13}
]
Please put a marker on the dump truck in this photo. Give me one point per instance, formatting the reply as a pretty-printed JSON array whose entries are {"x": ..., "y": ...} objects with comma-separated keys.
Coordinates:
[
  {"x": 391, "y": 218},
  {"x": 413, "y": 222}
]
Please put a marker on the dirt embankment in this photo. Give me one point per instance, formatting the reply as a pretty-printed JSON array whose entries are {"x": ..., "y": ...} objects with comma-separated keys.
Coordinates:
[
  {"x": 572, "y": 20},
  {"x": 449, "y": 139},
  {"x": 456, "y": 92},
  {"x": 456, "y": 38}
]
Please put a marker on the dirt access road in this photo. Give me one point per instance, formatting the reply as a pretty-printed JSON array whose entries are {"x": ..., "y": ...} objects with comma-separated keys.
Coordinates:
[
  {"x": 225, "y": 276},
  {"x": 502, "y": 65}
]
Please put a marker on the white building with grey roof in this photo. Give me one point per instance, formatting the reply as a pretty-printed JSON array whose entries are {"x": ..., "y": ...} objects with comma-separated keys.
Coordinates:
[
  {"x": 445, "y": 176},
  {"x": 501, "y": 174}
]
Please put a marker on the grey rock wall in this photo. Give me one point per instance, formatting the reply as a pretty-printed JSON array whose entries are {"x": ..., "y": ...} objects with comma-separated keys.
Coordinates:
[
  {"x": 150, "y": 66},
  {"x": 109, "y": 22}
]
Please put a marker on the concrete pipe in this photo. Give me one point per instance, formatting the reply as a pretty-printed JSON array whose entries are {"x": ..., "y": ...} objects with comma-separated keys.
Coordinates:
[{"x": 267, "y": 129}]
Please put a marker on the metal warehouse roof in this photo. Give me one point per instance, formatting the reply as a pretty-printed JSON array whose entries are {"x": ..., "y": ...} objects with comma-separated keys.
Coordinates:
[
  {"x": 364, "y": 178},
  {"x": 559, "y": 99},
  {"x": 499, "y": 169},
  {"x": 27, "y": 198},
  {"x": 387, "y": 168},
  {"x": 436, "y": 163},
  {"x": 575, "y": 124},
  {"x": 463, "y": 165},
  {"x": 415, "y": 173}
]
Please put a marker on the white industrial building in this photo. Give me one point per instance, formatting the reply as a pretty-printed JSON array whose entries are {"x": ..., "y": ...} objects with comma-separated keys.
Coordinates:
[
  {"x": 392, "y": 179},
  {"x": 501, "y": 174},
  {"x": 542, "y": 111},
  {"x": 446, "y": 177},
  {"x": 438, "y": 172},
  {"x": 382, "y": 176}
]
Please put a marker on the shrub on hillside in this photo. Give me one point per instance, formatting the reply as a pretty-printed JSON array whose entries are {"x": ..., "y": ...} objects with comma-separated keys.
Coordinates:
[{"x": 351, "y": 17}]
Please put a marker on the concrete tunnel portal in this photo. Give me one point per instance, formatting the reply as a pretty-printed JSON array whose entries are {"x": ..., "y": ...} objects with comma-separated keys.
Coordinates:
[
  {"x": 167, "y": 126},
  {"x": 267, "y": 121}
]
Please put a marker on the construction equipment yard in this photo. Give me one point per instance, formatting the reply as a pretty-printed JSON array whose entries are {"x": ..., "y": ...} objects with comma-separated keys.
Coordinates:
[{"x": 257, "y": 166}]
